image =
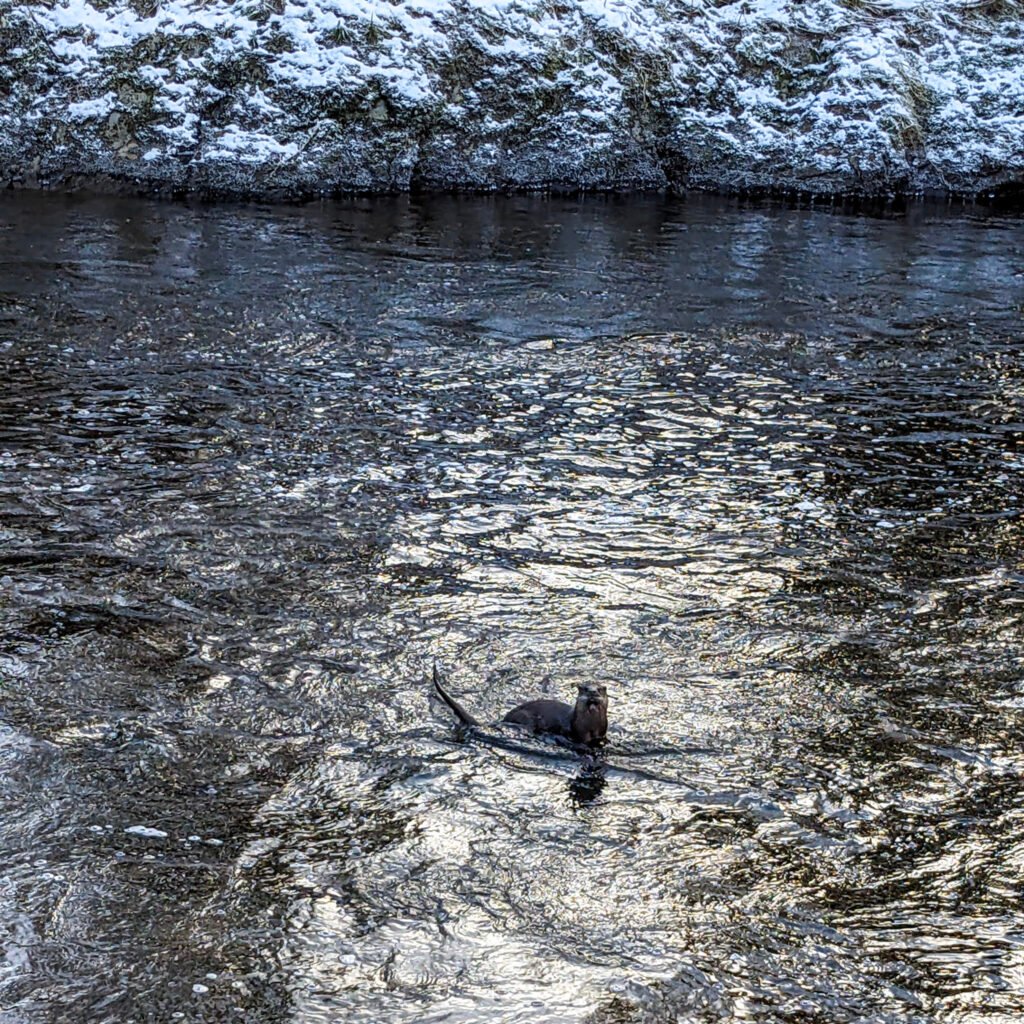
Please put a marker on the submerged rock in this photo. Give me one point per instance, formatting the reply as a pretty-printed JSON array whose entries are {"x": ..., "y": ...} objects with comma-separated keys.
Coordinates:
[{"x": 298, "y": 97}]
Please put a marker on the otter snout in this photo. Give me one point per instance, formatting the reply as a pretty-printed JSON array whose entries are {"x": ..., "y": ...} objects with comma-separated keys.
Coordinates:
[{"x": 592, "y": 696}]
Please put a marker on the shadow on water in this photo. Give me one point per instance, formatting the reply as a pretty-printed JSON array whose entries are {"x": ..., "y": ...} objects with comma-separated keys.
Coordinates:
[{"x": 756, "y": 469}]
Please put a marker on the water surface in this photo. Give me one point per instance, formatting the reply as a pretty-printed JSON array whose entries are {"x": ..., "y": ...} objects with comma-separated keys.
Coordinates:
[{"x": 756, "y": 469}]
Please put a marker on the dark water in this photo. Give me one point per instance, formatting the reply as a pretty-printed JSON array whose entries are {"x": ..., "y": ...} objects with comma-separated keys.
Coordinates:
[{"x": 758, "y": 470}]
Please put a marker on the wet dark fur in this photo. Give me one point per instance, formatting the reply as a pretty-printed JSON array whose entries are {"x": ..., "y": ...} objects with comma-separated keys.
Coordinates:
[{"x": 584, "y": 722}]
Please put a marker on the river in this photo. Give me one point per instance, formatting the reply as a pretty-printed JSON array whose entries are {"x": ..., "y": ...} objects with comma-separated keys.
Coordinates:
[{"x": 755, "y": 468}]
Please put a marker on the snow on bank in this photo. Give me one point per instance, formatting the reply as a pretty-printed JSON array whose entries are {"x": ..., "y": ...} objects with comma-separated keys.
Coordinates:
[{"x": 299, "y": 96}]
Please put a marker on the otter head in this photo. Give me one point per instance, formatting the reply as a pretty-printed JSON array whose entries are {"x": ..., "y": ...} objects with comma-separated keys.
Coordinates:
[{"x": 590, "y": 715}]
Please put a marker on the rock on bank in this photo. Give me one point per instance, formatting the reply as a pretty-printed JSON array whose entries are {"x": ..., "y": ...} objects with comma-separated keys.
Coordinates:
[{"x": 293, "y": 97}]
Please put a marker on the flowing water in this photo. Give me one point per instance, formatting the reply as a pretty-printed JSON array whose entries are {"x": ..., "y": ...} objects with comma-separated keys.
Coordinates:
[{"x": 756, "y": 469}]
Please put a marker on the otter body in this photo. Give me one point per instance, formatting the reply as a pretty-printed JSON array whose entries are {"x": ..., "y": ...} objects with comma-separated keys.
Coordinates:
[
  {"x": 585, "y": 722},
  {"x": 553, "y": 716}
]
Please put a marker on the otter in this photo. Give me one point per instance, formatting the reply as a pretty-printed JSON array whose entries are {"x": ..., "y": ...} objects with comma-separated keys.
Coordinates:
[{"x": 584, "y": 722}]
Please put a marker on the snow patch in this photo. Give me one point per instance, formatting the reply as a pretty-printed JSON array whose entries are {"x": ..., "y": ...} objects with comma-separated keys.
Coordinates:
[{"x": 99, "y": 107}]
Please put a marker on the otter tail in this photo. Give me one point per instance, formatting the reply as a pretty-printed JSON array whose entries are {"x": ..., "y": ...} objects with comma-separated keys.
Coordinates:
[{"x": 460, "y": 712}]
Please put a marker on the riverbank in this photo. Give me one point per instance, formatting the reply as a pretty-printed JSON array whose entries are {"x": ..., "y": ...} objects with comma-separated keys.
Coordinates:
[{"x": 288, "y": 99}]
